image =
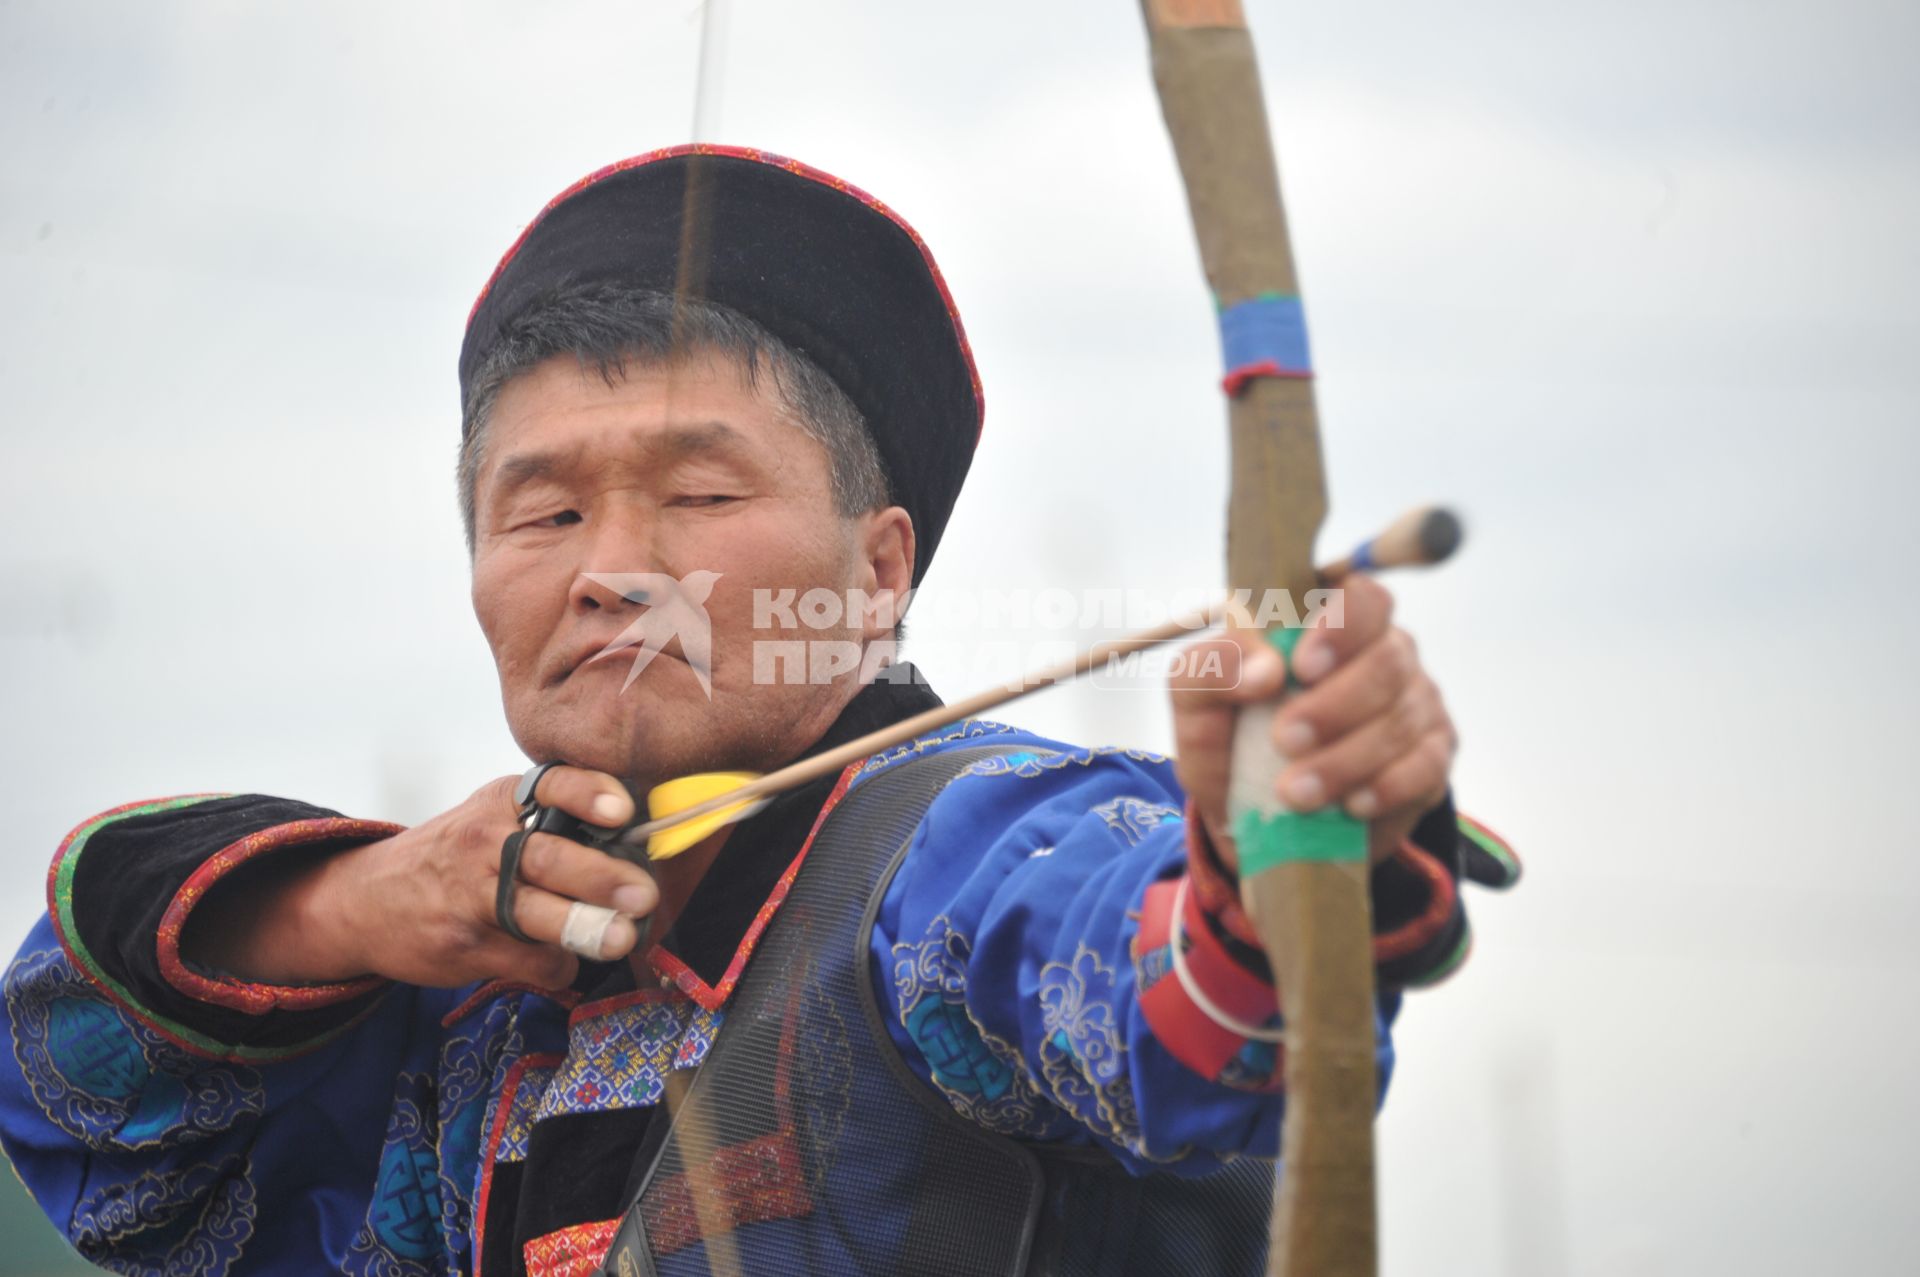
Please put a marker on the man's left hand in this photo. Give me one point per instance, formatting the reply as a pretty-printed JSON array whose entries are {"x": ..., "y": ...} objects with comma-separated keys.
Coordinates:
[{"x": 1367, "y": 729}]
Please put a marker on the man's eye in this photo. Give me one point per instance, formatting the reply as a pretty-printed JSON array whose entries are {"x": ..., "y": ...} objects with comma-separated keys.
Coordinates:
[
  {"x": 705, "y": 499},
  {"x": 561, "y": 519}
]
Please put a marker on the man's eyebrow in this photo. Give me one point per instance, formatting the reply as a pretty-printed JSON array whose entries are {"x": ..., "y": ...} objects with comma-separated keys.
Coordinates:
[
  {"x": 524, "y": 467},
  {"x": 676, "y": 442},
  {"x": 671, "y": 444}
]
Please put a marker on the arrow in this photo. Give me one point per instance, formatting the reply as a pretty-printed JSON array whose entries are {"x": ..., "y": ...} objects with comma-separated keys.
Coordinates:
[{"x": 684, "y": 811}]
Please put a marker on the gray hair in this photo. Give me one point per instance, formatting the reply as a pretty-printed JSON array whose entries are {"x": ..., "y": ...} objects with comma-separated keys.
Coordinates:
[{"x": 605, "y": 325}]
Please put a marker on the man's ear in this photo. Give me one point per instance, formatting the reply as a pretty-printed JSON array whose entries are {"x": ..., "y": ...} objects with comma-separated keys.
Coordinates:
[{"x": 887, "y": 546}]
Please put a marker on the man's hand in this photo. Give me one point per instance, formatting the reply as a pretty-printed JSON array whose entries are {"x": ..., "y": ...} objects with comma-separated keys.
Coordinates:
[
  {"x": 1368, "y": 730},
  {"x": 419, "y": 907}
]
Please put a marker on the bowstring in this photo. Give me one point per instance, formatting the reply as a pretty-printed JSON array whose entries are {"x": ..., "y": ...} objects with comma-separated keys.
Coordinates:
[{"x": 688, "y": 1124}]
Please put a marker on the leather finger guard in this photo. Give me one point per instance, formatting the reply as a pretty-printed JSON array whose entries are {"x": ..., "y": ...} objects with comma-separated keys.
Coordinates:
[
  {"x": 509, "y": 882},
  {"x": 523, "y": 797}
]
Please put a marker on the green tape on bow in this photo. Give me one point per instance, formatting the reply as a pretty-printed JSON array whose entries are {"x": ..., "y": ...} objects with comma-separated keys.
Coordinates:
[{"x": 1328, "y": 835}]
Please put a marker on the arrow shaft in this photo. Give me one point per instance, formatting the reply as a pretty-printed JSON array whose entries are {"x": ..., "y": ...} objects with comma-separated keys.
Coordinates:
[
  {"x": 1399, "y": 546},
  {"x": 835, "y": 760}
]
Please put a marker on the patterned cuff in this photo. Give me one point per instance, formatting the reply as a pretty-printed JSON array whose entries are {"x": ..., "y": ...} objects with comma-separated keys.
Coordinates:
[
  {"x": 122, "y": 884},
  {"x": 336, "y": 833},
  {"x": 1425, "y": 933},
  {"x": 1207, "y": 1020},
  {"x": 1203, "y": 1004},
  {"x": 1420, "y": 929},
  {"x": 1215, "y": 887},
  {"x": 1414, "y": 882},
  {"x": 1486, "y": 857}
]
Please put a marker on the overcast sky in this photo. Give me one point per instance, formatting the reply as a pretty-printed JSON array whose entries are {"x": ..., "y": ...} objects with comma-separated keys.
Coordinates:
[{"x": 1632, "y": 285}]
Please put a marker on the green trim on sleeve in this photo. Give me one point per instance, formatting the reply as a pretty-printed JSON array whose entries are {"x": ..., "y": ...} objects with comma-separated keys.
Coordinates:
[
  {"x": 60, "y": 909},
  {"x": 1493, "y": 847}
]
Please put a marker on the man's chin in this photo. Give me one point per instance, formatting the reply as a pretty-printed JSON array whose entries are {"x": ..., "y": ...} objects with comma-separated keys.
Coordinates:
[{"x": 644, "y": 734}]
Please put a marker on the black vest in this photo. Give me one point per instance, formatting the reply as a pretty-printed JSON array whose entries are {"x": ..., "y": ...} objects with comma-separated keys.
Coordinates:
[{"x": 805, "y": 1145}]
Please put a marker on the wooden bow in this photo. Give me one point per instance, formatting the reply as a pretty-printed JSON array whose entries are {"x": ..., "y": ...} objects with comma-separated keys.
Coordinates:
[{"x": 1303, "y": 876}]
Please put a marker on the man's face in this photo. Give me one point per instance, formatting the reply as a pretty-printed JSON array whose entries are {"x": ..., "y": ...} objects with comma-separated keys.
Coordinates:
[{"x": 668, "y": 472}]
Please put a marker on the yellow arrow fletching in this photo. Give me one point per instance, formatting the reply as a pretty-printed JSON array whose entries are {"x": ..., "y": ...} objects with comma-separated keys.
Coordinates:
[{"x": 674, "y": 796}]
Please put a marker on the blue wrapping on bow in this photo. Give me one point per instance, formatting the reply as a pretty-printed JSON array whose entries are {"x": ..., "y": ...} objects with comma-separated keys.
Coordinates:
[{"x": 1264, "y": 336}]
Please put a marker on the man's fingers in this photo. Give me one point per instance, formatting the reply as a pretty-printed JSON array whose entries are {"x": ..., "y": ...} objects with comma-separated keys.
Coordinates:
[
  {"x": 594, "y": 797},
  {"x": 1226, "y": 669},
  {"x": 1202, "y": 739},
  {"x": 543, "y": 916},
  {"x": 1211, "y": 678},
  {"x": 1364, "y": 614},
  {"x": 1330, "y": 774},
  {"x": 568, "y": 869},
  {"x": 1411, "y": 784},
  {"x": 1356, "y": 692}
]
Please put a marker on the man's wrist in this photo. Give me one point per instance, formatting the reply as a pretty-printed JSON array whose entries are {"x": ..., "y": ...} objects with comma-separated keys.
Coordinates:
[
  {"x": 289, "y": 919},
  {"x": 1424, "y": 893}
]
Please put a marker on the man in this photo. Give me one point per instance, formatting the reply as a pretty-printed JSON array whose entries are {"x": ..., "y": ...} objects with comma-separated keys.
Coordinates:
[{"x": 981, "y": 1003}]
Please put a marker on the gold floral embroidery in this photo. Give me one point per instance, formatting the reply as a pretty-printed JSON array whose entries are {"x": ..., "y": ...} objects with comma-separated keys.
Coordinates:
[{"x": 1083, "y": 1057}]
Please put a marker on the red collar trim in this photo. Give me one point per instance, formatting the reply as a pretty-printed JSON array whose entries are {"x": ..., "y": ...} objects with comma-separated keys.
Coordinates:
[
  {"x": 620, "y": 1001},
  {"x": 714, "y": 997},
  {"x": 502, "y": 1113},
  {"x": 492, "y": 989}
]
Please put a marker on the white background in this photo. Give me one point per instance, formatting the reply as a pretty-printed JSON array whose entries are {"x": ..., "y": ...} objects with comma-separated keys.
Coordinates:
[{"x": 1631, "y": 284}]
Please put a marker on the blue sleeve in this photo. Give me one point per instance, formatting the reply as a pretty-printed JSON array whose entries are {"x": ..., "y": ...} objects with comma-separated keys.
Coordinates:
[
  {"x": 151, "y": 1156},
  {"x": 155, "y": 1141},
  {"x": 1010, "y": 943}
]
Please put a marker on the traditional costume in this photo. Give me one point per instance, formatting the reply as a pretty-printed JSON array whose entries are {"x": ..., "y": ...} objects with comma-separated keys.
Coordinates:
[{"x": 983, "y": 1003}]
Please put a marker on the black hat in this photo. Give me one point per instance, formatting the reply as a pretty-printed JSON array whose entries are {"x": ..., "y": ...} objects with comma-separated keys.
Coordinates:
[{"x": 822, "y": 265}]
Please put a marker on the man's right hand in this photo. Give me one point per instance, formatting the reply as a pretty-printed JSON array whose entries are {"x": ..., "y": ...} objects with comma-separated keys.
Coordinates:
[{"x": 419, "y": 907}]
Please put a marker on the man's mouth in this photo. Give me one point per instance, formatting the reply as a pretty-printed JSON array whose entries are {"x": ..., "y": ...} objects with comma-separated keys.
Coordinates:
[{"x": 614, "y": 655}]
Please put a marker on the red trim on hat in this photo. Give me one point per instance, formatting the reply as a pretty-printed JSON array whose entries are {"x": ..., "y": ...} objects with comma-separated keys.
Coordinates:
[{"x": 757, "y": 156}]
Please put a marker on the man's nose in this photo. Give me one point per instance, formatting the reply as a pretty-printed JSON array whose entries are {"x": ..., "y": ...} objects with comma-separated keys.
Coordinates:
[
  {"x": 619, "y": 548},
  {"x": 593, "y": 591}
]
